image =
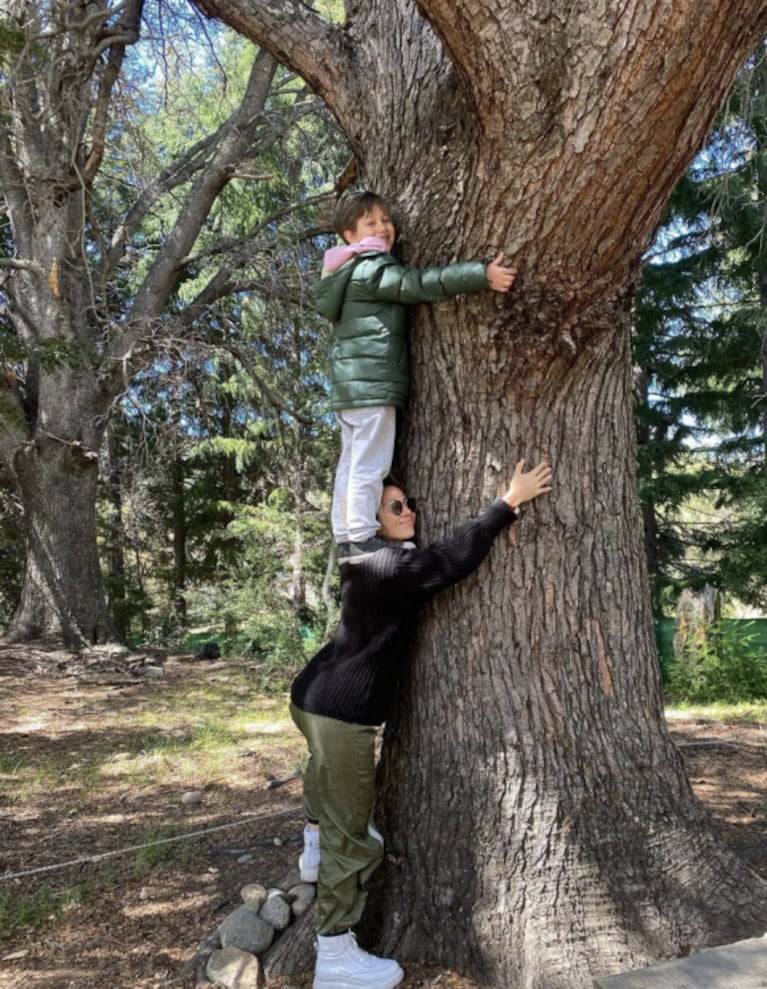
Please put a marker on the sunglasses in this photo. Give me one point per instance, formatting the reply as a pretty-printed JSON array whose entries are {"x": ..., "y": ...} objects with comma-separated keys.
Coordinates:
[{"x": 397, "y": 507}]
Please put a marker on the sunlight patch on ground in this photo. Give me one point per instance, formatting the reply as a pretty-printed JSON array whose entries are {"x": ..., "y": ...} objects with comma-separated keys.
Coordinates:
[{"x": 272, "y": 728}]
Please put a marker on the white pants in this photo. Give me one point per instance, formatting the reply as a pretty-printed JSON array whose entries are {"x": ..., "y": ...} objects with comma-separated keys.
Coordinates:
[{"x": 367, "y": 448}]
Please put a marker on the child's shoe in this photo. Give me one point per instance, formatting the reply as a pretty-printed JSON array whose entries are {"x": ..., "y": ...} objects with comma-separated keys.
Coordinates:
[{"x": 353, "y": 552}]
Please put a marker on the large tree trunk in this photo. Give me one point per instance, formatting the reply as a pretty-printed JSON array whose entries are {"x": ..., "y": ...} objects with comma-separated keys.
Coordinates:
[
  {"x": 539, "y": 823},
  {"x": 544, "y": 830},
  {"x": 115, "y": 541},
  {"x": 52, "y": 424},
  {"x": 62, "y": 600}
]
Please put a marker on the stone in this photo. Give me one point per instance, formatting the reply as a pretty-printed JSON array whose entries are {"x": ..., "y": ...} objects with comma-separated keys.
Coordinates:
[
  {"x": 291, "y": 878},
  {"x": 191, "y": 798},
  {"x": 303, "y": 895},
  {"x": 250, "y": 930},
  {"x": 233, "y": 969},
  {"x": 276, "y": 912},
  {"x": 254, "y": 896},
  {"x": 244, "y": 929}
]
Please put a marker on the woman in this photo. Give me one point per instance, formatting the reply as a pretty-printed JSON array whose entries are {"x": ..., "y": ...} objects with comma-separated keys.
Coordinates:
[{"x": 345, "y": 692}]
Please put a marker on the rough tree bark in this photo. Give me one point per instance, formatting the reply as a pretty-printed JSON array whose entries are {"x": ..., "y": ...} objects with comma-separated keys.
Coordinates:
[
  {"x": 116, "y": 540},
  {"x": 57, "y": 479},
  {"x": 78, "y": 335},
  {"x": 539, "y": 823}
]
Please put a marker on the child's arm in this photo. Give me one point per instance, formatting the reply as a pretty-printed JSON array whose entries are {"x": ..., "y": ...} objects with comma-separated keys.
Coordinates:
[
  {"x": 383, "y": 278},
  {"x": 499, "y": 278}
]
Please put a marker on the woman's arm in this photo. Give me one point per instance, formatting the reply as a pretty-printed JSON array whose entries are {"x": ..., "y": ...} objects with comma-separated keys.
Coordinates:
[{"x": 425, "y": 572}]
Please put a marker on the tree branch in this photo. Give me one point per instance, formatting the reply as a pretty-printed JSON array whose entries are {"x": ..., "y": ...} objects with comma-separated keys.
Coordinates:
[
  {"x": 297, "y": 38},
  {"x": 23, "y": 264},
  {"x": 235, "y": 143},
  {"x": 237, "y": 245},
  {"x": 277, "y": 403},
  {"x": 145, "y": 325},
  {"x": 181, "y": 170},
  {"x": 126, "y": 33}
]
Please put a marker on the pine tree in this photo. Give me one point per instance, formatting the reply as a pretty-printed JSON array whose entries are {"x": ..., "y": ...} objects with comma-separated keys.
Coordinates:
[{"x": 699, "y": 347}]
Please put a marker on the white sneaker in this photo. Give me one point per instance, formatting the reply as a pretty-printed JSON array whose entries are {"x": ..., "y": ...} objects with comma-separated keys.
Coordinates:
[
  {"x": 309, "y": 859},
  {"x": 342, "y": 964}
]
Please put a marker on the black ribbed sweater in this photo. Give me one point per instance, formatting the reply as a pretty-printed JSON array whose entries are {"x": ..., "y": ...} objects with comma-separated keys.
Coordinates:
[{"x": 353, "y": 677}]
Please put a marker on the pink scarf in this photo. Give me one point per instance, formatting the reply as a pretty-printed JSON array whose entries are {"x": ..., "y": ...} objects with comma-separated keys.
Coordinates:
[{"x": 337, "y": 256}]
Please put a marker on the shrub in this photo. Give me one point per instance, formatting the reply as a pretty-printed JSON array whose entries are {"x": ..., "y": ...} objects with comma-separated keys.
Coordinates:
[{"x": 726, "y": 664}]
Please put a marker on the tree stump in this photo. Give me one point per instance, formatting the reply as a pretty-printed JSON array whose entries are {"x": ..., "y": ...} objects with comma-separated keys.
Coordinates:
[{"x": 697, "y": 614}]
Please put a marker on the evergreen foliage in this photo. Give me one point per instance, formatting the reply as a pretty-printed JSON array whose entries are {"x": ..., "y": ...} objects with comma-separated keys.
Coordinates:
[{"x": 700, "y": 335}]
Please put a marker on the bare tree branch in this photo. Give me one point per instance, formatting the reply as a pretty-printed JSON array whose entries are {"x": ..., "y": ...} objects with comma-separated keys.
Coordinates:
[
  {"x": 181, "y": 170},
  {"x": 23, "y": 264},
  {"x": 95, "y": 17},
  {"x": 126, "y": 33}
]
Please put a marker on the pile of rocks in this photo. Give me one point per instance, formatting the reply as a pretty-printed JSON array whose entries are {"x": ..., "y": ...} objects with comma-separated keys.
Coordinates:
[{"x": 230, "y": 957}]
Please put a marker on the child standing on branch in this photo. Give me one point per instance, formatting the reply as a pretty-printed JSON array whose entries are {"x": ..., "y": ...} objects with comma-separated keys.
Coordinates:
[{"x": 364, "y": 291}]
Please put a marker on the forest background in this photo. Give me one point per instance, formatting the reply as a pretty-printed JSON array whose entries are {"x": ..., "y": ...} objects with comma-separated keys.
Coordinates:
[{"x": 217, "y": 459}]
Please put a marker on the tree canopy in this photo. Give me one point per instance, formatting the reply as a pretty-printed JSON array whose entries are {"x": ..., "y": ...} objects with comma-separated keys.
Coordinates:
[{"x": 144, "y": 215}]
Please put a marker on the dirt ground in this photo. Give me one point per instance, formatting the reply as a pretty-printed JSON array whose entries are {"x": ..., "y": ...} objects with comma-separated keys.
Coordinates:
[{"x": 140, "y": 931}]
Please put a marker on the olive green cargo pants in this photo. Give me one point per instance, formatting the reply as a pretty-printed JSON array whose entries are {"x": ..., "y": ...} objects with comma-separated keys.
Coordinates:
[{"x": 339, "y": 793}]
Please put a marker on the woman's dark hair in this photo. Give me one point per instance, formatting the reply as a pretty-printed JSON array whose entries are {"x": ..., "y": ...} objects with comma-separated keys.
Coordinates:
[{"x": 353, "y": 206}]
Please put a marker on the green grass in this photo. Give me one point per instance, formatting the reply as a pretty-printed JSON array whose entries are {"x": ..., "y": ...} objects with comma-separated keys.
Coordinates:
[
  {"x": 197, "y": 734},
  {"x": 159, "y": 849},
  {"x": 44, "y": 904},
  {"x": 26, "y": 909},
  {"x": 754, "y": 712},
  {"x": 21, "y": 780}
]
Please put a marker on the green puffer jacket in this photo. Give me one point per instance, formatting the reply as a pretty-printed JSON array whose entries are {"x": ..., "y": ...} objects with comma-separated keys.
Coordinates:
[{"x": 365, "y": 299}]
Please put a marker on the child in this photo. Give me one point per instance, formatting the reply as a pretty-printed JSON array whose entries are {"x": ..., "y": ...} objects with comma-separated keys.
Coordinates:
[{"x": 364, "y": 291}]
